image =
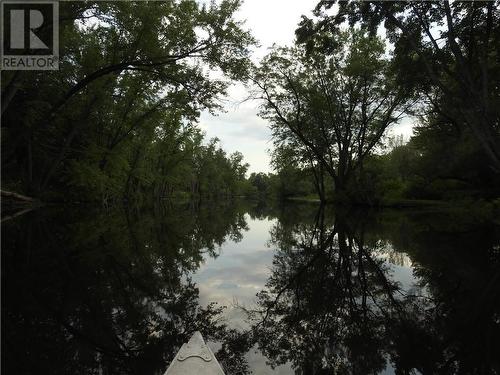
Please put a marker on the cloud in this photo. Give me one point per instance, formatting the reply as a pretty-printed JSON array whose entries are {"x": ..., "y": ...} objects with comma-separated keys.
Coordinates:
[
  {"x": 403, "y": 127},
  {"x": 235, "y": 276},
  {"x": 240, "y": 128},
  {"x": 239, "y": 123}
]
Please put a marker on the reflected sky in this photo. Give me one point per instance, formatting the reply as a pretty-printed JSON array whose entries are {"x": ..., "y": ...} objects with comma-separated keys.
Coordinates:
[
  {"x": 235, "y": 277},
  {"x": 119, "y": 292},
  {"x": 243, "y": 268},
  {"x": 240, "y": 270}
]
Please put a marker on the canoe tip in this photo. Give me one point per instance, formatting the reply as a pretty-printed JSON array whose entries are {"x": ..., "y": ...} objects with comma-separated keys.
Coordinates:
[{"x": 197, "y": 338}]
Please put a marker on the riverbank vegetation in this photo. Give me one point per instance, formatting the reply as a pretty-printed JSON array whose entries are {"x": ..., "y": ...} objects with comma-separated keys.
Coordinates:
[
  {"x": 119, "y": 120},
  {"x": 332, "y": 97}
]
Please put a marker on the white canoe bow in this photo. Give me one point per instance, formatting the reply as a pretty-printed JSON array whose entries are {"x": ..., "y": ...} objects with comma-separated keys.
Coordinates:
[{"x": 194, "y": 358}]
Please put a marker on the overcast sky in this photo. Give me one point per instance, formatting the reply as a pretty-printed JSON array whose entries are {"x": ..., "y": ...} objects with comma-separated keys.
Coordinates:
[{"x": 239, "y": 128}]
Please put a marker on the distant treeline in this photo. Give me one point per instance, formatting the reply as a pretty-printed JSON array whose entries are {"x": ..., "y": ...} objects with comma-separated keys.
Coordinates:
[{"x": 428, "y": 167}]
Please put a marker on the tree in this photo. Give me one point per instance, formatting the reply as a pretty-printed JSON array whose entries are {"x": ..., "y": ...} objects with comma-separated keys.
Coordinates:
[
  {"x": 291, "y": 158},
  {"x": 264, "y": 186},
  {"x": 336, "y": 106},
  {"x": 446, "y": 51},
  {"x": 131, "y": 75}
]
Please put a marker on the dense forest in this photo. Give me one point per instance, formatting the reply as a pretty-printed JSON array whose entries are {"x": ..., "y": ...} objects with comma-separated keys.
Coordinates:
[
  {"x": 119, "y": 120},
  {"x": 332, "y": 97}
]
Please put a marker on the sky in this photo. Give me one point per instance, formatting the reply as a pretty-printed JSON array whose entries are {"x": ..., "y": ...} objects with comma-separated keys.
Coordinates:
[{"x": 239, "y": 128}]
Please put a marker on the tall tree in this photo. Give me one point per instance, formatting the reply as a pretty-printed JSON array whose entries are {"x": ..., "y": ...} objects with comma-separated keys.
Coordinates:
[
  {"x": 336, "y": 105},
  {"x": 447, "y": 51}
]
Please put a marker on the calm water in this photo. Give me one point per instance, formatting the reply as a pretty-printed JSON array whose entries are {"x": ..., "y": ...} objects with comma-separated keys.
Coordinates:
[{"x": 294, "y": 289}]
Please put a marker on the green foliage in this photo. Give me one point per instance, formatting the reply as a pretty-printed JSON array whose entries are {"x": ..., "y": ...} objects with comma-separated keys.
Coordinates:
[
  {"x": 445, "y": 55},
  {"x": 437, "y": 163},
  {"x": 328, "y": 111},
  {"x": 118, "y": 120},
  {"x": 266, "y": 186},
  {"x": 446, "y": 52}
]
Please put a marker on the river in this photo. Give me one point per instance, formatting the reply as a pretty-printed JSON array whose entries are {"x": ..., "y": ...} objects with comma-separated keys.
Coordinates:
[{"x": 274, "y": 288}]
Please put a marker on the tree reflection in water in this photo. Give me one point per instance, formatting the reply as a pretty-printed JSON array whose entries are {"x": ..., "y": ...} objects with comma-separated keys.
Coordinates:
[
  {"x": 109, "y": 293},
  {"x": 331, "y": 305}
]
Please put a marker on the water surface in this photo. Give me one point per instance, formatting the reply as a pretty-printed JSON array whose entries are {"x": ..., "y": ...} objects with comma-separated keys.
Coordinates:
[{"x": 275, "y": 289}]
